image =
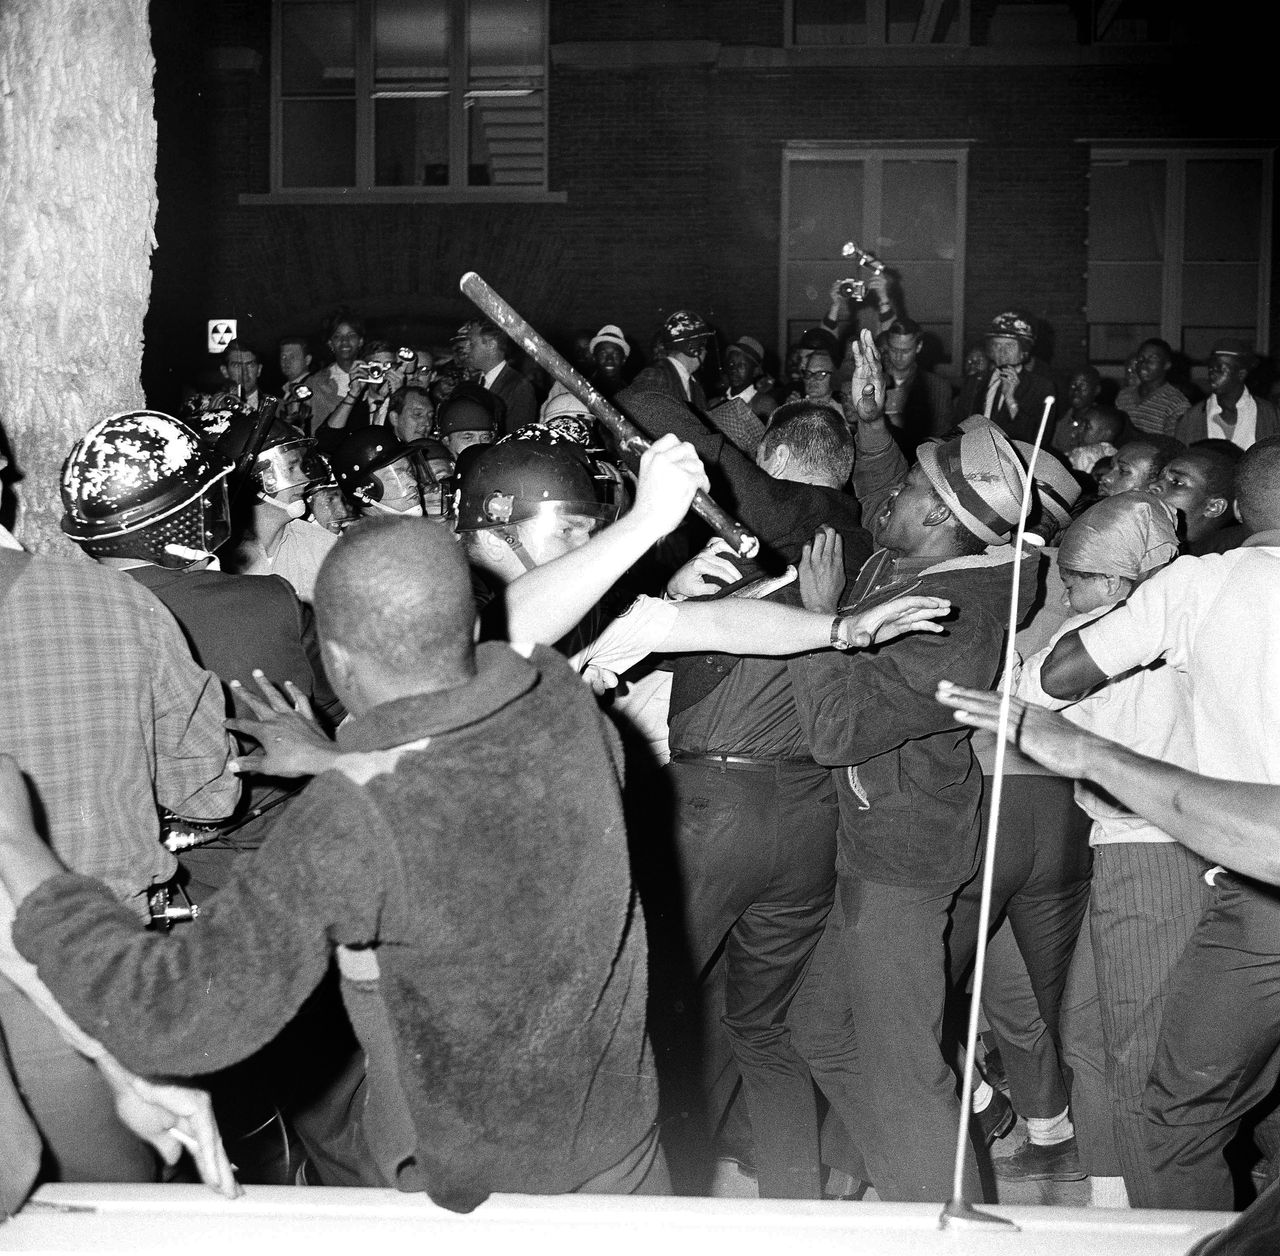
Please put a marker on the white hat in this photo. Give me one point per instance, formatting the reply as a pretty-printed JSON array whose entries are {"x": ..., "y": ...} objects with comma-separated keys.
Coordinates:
[{"x": 611, "y": 335}]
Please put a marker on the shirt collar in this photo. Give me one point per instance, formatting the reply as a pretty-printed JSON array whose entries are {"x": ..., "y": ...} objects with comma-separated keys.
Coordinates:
[
  {"x": 501, "y": 677},
  {"x": 683, "y": 372},
  {"x": 492, "y": 374}
]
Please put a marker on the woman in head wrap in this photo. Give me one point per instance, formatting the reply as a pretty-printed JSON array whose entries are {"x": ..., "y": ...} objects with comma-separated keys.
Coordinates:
[
  {"x": 1112, "y": 547},
  {"x": 1147, "y": 891}
]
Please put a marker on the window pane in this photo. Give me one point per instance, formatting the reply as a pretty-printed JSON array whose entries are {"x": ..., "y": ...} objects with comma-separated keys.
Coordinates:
[
  {"x": 1114, "y": 342},
  {"x": 1224, "y": 199},
  {"x": 410, "y": 46},
  {"x": 507, "y": 140},
  {"x": 317, "y": 51},
  {"x": 1126, "y": 211},
  {"x": 826, "y": 208},
  {"x": 830, "y": 22},
  {"x": 506, "y": 132},
  {"x": 1220, "y": 295},
  {"x": 918, "y": 214},
  {"x": 411, "y": 142},
  {"x": 1119, "y": 293},
  {"x": 319, "y": 143}
]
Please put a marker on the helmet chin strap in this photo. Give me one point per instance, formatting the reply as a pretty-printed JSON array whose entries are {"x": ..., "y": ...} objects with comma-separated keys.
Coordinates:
[
  {"x": 207, "y": 560},
  {"x": 295, "y": 509},
  {"x": 413, "y": 511},
  {"x": 512, "y": 538}
]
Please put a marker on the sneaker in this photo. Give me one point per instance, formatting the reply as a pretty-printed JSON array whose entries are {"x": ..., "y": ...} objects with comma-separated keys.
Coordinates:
[
  {"x": 1031, "y": 1163},
  {"x": 996, "y": 1119}
]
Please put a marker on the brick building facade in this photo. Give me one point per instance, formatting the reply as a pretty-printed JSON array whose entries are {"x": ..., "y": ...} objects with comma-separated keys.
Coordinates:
[{"x": 666, "y": 126}]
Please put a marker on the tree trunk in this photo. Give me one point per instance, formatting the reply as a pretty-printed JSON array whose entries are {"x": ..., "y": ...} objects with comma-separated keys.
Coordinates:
[{"x": 77, "y": 211}]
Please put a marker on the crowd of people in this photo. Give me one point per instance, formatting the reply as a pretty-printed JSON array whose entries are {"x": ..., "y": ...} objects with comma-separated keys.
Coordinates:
[{"x": 416, "y": 791}]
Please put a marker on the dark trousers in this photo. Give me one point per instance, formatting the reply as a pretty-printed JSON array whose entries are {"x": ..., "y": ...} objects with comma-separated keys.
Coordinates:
[
  {"x": 1041, "y": 884},
  {"x": 869, "y": 1020},
  {"x": 1218, "y": 1054},
  {"x": 757, "y": 869}
]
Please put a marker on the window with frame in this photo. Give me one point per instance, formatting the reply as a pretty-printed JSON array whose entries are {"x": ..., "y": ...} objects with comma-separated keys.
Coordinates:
[
  {"x": 441, "y": 96},
  {"x": 906, "y": 206},
  {"x": 812, "y": 23},
  {"x": 1179, "y": 248}
]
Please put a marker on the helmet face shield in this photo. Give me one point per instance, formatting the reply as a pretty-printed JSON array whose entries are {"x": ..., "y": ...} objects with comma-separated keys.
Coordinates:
[
  {"x": 293, "y": 465},
  {"x": 215, "y": 521},
  {"x": 554, "y": 529}
]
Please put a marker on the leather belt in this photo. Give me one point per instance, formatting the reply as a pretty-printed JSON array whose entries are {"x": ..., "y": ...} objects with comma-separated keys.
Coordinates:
[{"x": 742, "y": 763}]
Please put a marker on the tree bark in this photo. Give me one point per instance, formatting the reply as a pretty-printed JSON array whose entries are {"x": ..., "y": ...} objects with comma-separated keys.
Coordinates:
[{"x": 77, "y": 213}]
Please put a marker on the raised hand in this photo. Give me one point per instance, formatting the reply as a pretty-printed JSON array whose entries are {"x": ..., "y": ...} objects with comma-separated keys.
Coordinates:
[
  {"x": 865, "y": 400},
  {"x": 670, "y": 474}
]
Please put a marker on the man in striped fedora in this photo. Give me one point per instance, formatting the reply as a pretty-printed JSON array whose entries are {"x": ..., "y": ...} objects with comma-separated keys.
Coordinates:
[{"x": 869, "y": 1016}]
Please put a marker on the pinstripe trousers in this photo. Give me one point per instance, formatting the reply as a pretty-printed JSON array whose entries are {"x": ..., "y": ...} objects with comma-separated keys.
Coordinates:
[
  {"x": 1145, "y": 902},
  {"x": 1219, "y": 1051}
]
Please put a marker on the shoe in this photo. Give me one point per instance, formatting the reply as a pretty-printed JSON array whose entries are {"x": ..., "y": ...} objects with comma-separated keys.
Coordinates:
[
  {"x": 996, "y": 1119},
  {"x": 1030, "y": 1163}
]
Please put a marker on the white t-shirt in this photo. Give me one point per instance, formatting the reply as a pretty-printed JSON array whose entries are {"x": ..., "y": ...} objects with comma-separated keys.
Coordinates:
[{"x": 1214, "y": 620}]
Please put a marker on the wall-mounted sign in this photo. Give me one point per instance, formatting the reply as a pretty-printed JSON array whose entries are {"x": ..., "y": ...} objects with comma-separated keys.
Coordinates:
[{"x": 222, "y": 331}]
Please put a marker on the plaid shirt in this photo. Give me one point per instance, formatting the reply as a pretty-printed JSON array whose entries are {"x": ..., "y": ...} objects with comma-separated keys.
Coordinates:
[{"x": 107, "y": 713}]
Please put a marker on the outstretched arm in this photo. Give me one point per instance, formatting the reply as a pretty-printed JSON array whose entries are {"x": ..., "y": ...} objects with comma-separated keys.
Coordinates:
[{"x": 1233, "y": 823}]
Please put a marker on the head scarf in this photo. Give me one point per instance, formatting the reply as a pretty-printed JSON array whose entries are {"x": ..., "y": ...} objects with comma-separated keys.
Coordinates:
[{"x": 1129, "y": 535}]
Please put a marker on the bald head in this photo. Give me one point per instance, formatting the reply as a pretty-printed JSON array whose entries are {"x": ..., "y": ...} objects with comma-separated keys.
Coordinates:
[
  {"x": 1258, "y": 486},
  {"x": 398, "y": 593}
]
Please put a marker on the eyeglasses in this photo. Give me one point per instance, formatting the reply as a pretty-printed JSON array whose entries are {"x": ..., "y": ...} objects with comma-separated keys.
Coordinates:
[{"x": 816, "y": 374}]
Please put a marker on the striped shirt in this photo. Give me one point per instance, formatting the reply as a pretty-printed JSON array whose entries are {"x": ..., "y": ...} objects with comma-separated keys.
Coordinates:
[{"x": 1157, "y": 414}]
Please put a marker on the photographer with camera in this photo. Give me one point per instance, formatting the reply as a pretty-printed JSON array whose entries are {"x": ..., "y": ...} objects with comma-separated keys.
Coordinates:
[{"x": 371, "y": 382}]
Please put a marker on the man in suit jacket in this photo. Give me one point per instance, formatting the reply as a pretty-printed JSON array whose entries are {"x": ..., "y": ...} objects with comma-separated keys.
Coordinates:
[
  {"x": 1230, "y": 412},
  {"x": 487, "y": 348},
  {"x": 1015, "y": 394},
  {"x": 684, "y": 337}
]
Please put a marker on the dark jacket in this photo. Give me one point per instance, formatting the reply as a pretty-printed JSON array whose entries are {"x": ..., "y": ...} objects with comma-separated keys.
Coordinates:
[
  {"x": 1032, "y": 391},
  {"x": 518, "y": 396},
  {"x": 468, "y": 861},
  {"x": 908, "y": 783},
  {"x": 662, "y": 377}
]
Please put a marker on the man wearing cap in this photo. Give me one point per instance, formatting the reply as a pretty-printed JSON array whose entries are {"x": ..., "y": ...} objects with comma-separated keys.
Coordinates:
[
  {"x": 869, "y": 1016},
  {"x": 609, "y": 352},
  {"x": 1230, "y": 412},
  {"x": 685, "y": 337},
  {"x": 1015, "y": 394},
  {"x": 747, "y": 404},
  {"x": 487, "y": 347}
]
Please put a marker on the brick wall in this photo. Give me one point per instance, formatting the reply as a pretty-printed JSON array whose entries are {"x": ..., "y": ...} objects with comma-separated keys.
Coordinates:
[{"x": 672, "y": 179}]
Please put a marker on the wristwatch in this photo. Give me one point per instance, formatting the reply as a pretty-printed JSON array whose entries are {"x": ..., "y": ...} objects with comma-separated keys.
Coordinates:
[{"x": 837, "y": 641}]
